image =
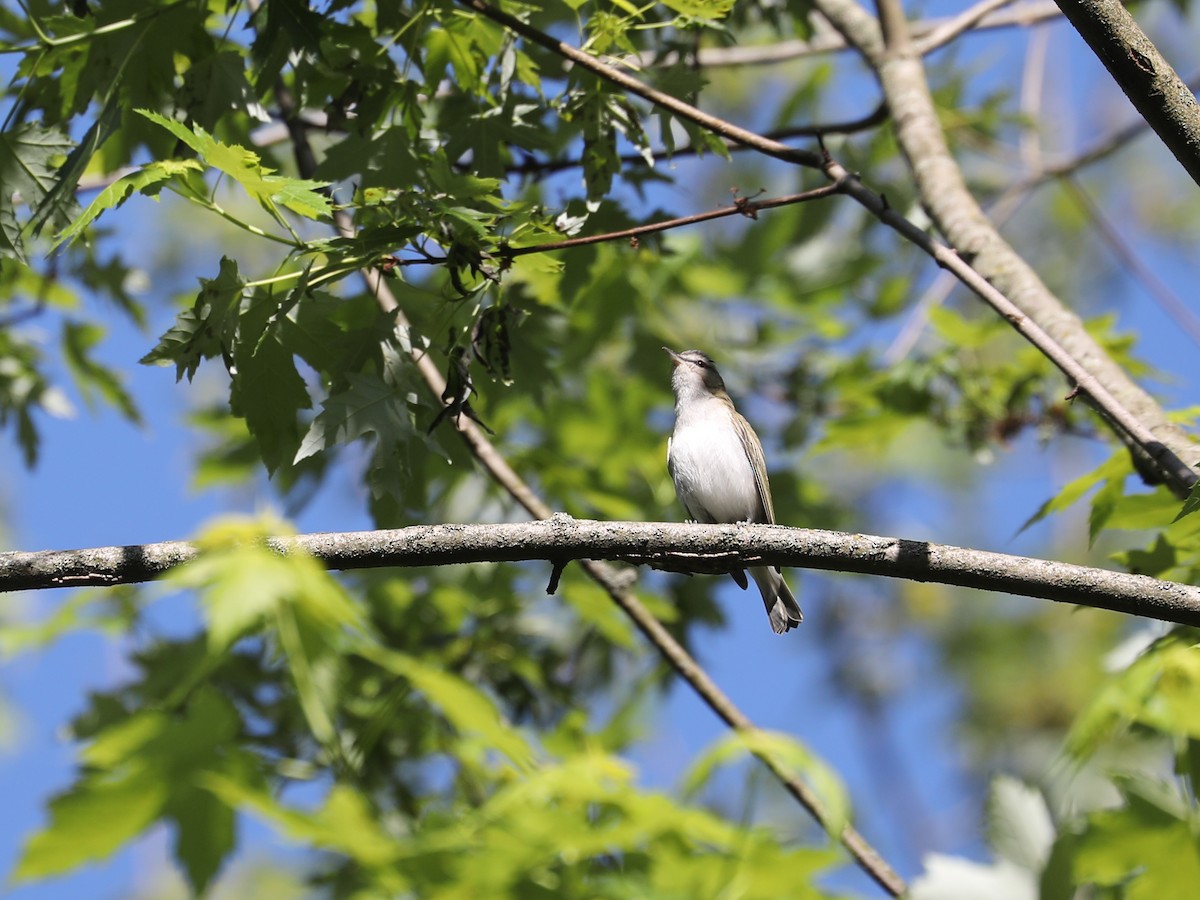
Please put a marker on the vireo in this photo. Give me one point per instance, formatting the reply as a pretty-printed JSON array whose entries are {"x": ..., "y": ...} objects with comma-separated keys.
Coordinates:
[{"x": 716, "y": 461}]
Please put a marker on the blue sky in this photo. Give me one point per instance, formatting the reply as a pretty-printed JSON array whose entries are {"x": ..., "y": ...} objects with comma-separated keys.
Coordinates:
[{"x": 101, "y": 481}]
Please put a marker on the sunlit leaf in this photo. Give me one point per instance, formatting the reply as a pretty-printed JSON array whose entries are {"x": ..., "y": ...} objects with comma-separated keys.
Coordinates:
[
  {"x": 1160, "y": 689},
  {"x": 91, "y": 821},
  {"x": 148, "y": 180},
  {"x": 301, "y": 196},
  {"x": 344, "y": 823},
  {"x": 470, "y": 711},
  {"x": 1147, "y": 846},
  {"x": 1191, "y": 504},
  {"x": 701, "y": 9}
]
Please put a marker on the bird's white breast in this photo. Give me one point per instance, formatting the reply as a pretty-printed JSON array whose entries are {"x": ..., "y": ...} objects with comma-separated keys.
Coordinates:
[{"x": 712, "y": 474}]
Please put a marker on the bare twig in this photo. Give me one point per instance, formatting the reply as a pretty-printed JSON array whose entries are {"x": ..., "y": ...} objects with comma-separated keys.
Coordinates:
[
  {"x": 674, "y": 546},
  {"x": 20, "y": 316},
  {"x": 1103, "y": 148},
  {"x": 874, "y": 118},
  {"x": 743, "y": 207},
  {"x": 964, "y": 21},
  {"x": 1160, "y": 292}
]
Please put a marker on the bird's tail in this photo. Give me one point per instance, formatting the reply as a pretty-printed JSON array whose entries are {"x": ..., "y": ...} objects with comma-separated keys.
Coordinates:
[{"x": 782, "y": 608}]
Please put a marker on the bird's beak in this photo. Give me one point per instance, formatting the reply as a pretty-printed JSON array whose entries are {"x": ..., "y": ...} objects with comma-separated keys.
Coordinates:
[{"x": 675, "y": 358}]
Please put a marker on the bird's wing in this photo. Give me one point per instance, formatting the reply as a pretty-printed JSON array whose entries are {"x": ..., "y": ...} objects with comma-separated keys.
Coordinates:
[{"x": 758, "y": 462}]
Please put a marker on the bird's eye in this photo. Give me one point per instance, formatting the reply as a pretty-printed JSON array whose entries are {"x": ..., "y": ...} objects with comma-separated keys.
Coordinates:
[{"x": 702, "y": 364}]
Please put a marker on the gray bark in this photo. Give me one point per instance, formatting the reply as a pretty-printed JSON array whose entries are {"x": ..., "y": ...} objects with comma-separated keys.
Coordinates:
[{"x": 711, "y": 549}]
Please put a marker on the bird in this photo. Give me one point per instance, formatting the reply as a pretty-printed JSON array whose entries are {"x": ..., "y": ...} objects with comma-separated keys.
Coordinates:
[{"x": 716, "y": 462}]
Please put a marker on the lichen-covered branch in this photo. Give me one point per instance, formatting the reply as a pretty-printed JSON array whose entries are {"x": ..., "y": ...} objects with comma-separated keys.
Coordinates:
[{"x": 712, "y": 549}]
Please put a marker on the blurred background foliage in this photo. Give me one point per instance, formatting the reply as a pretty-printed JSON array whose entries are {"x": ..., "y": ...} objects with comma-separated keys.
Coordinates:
[{"x": 454, "y": 732}]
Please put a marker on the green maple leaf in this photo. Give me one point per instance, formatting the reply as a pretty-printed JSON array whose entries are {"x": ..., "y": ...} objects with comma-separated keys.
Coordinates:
[
  {"x": 30, "y": 156},
  {"x": 147, "y": 180},
  {"x": 204, "y": 330},
  {"x": 367, "y": 406},
  {"x": 244, "y": 166}
]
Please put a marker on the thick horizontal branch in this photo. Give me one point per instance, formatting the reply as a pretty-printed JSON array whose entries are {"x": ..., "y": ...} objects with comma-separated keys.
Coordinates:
[{"x": 665, "y": 545}]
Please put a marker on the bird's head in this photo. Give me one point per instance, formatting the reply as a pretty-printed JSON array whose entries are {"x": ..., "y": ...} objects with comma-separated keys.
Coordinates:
[{"x": 695, "y": 375}]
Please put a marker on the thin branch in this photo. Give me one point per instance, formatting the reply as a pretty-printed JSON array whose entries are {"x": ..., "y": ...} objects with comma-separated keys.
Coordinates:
[
  {"x": 874, "y": 118},
  {"x": 943, "y": 285},
  {"x": 964, "y": 21},
  {"x": 673, "y": 546},
  {"x": 877, "y": 116},
  {"x": 1103, "y": 148},
  {"x": 743, "y": 207},
  {"x": 20, "y": 316},
  {"x": 1152, "y": 86},
  {"x": 1160, "y": 292},
  {"x": 715, "y": 125}
]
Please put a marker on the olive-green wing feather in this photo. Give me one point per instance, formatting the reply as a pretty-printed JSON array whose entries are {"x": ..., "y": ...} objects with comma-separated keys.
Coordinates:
[{"x": 758, "y": 462}]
